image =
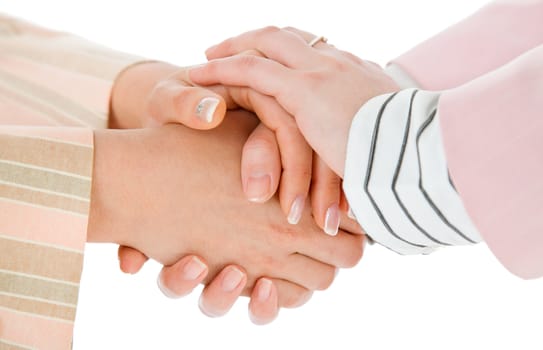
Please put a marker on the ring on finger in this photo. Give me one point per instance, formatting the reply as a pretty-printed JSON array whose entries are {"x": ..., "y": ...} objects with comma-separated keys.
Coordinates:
[{"x": 316, "y": 40}]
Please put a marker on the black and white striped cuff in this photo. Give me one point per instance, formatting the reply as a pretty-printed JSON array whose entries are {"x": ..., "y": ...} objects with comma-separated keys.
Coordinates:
[{"x": 396, "y": 176}]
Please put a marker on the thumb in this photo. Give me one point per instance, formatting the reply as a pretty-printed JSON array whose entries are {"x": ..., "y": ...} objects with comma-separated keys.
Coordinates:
[{"x": 172, "y": 101}]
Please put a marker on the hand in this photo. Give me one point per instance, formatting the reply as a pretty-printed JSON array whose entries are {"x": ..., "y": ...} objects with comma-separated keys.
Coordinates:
[
  {"x": 145, "y": 94},
  {"x": 158, "y": 200},
  {"x": 179, "y": 279},
  {"x": 276, "y": 157},
  {"x": 321, "y": 86},
  {"x": 158, "y": 93}
]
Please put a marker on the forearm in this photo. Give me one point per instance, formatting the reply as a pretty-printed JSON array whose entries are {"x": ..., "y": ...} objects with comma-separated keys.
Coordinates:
[
  {"x": 490, "y": 38},
  {"x": 428, "y": 169}
]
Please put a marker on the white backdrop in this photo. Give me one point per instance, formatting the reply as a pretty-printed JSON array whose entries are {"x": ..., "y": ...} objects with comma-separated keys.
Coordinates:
[{"x": 456, "y": 298}]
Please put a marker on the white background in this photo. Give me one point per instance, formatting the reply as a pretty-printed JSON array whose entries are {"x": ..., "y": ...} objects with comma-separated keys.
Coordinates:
[{"x": 456, "y": 298}]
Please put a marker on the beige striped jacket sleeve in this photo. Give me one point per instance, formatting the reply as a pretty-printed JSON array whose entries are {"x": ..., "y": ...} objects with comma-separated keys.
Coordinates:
[{"x": 54, "y": 90}]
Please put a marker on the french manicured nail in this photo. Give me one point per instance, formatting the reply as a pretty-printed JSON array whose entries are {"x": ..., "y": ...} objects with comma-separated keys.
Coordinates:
[
  {"x": 296, "y": 210},
  {"x": 331, "y": 220},
  {"x": 264, "y": 289},
  {"x": 231, "y": 279},
  {"x": 206, "y": 108},
  {"x": 166, "y": 291},
  {"x": 194, "y": 268},
  {"x": 258, "y": 187}
]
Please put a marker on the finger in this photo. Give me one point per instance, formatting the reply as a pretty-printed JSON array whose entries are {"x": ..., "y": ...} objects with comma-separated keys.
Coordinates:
[
  {"x": 182, "y": 277},
  {"x": 291, "y": 295},
  {"x": 343, "y": 250},
  {"x": 266, "y": 76},
  {"x": 323, "y": 46},
  {"x": 130, "y": 259},
  {"x": 295, "y": 153},
  {"x": 348, "y": 221},
  {"x": 306, "y": 272},
  {"x": 219, "y": 295},
  {"x": 349, "y": 225},
  {"x": 260, "y": 165},
  {"x": 172, "y": 101},
  {"x": 307, "y": 37},
  {"x": 280, "y": 45},
  {"x": 325, "y": 196},
  {"x": 263, "y": 306},
  {"x": 343, "y": 203}
]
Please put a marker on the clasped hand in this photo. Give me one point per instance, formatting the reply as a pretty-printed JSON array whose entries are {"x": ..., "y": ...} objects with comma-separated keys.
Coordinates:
[{"x": 305, "y": 98}]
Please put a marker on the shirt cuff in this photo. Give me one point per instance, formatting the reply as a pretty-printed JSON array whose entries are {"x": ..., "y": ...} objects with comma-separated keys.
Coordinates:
[
  {"x": 45, "y": 185},
  {"x": 396, "y": 176}
]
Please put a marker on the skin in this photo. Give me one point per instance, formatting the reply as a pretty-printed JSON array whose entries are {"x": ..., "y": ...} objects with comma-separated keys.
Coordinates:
[
  {"x": 319, "y": 86},
  {"x": 157, "y": 93},
  {"x": 170, "y": 190}
]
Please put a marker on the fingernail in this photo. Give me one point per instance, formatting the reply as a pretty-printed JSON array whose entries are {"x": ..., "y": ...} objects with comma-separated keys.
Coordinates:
[
  {"x": 231, "y": 279},
  {"x": 206, "y": 108},
  {"x": 331, "y": 221},
  {"x": 258, "y": 187},
  {"x": 166, "y": 291},
  {"x": 296, "y": 210},
  {"x": 264, "y": 289},
  {"x": 193, "y": 269}
]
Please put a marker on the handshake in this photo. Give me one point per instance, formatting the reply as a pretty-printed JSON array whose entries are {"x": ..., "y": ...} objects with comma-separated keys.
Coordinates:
[{"x": 270, "y": 100}]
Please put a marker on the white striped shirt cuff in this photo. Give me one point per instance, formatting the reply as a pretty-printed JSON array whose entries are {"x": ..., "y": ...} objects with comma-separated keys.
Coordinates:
[{"x": 396, "y": 176}]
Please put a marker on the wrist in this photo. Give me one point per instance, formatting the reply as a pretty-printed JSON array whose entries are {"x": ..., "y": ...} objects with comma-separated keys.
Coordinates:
[
  {"x": 111, "y": 158},
  {"x": 131, "y": 90}
]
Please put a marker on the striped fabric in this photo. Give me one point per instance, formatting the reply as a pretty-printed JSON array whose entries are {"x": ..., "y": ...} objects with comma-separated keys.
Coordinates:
[
  {"x": 396, "y": 176},
  {"x": 54, "y": 90}
]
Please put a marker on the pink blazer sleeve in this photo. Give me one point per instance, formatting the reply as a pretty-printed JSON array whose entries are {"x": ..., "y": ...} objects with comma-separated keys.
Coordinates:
[
  {"x": 492, "y": 132},
  {"x": 54, "y": 90},
  {"x": 481, "y": 43}
]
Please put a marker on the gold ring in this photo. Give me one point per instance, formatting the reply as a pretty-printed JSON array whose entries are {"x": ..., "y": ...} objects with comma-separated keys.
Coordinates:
[{"x": 316, "y": 39}]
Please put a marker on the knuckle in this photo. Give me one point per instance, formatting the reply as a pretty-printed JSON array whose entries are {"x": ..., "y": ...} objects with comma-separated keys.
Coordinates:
[
  {"x": 314, "y": 79},
  {"x": 260, "y": 151},
  {"x": 248, "y": 61},
  {"x": 181, "y": 96},
  {"x": 269, "y": 30},
  {"x": 300, "y": 171},
  {"x": 261, "y": 142}
]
